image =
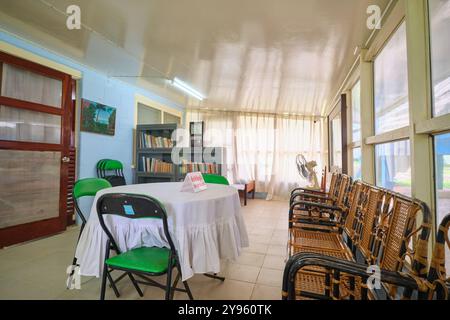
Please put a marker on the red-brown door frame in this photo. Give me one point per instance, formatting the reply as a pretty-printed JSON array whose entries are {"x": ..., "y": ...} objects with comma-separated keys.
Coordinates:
[{"x": 33, "y": 230}]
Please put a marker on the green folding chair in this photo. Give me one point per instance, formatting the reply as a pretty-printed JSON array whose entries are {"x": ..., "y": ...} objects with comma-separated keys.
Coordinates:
[
  {"x": 111, "y": 170},
  {"x": 215, "y": 179},
  {"x": 142, "y": 262},
  {"x": 85, "y": 188}
]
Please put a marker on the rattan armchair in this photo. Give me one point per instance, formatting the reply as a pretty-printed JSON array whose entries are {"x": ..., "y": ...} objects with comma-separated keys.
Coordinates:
[
  {"x": 322, "y": 215},
  {"x": 437, "y": 277},
  {"x": 383, "y": 233},
  {"x": 317, "y": 195}
]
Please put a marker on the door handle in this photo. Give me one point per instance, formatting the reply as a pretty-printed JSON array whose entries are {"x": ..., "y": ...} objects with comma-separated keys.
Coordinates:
[{"x": 65, "y": 160}]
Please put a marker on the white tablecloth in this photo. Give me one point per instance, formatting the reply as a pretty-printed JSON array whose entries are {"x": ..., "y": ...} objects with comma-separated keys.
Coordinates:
[{"x": 205, "y": 227}]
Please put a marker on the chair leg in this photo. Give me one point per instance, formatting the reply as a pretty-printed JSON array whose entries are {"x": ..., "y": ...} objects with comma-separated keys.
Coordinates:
[
  {"x": 169, "y": 283},
  {"x": 174, "y": 286},
  {"x": 113, "y": 285},
  {"x": 135, "y": 284},
  {"x": 103, "y": 288},
  {"x": 188, "y": 290}
]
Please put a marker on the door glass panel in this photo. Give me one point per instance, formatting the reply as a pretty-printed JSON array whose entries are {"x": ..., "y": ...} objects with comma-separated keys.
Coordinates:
[
  {"x": 28, "y": 86},
  {"x": 148, "y": 115},
  {"x": 393, "y": 166},
  {"x": 442, "y": 158},
  {"x": 357, "y": 163},
  {"x": 170, "y": 118},
  {"x": 391, "y": 84},
  {"x": 29, "y": 126},
  {"x": 440, "y": 52},
  {"x": 29, "y": 187}
]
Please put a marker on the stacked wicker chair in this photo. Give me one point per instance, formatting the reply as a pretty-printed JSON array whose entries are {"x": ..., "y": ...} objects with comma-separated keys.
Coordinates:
[
  {"x": 320, "y": 211},
  {"x": 437, "y": 277},
  {"x": 377, "y": 228}
]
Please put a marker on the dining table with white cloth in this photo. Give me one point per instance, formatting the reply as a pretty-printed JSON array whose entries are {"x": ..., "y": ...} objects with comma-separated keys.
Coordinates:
[{"x": 205, "y": 227}]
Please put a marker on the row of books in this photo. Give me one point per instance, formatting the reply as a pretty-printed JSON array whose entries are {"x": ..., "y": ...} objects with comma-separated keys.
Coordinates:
[
  {"x": 151, "y": 165},
  {"x": 146, "y": 140},
  {"x": 199, "y": 167}
]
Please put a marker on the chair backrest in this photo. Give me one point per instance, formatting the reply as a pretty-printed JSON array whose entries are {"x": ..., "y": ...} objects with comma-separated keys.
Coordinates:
[
  {"x": 113, "y": 165},
  {"x": 437, "y": 276},
  {"x": 323, "y": 181},
  {"x": 99, "y": 167},
  {"x": 333, "y": 184},
  {"x": 132, "y": 206},
  {"x": 343, "y": 191},
  {"x": 215, "y": 179},
  {"x": 87, "y": 188},
  {"x": 368, "y": 222},
  {"x": 350, "y": 219},
  {"x": 405, "y": 245}
]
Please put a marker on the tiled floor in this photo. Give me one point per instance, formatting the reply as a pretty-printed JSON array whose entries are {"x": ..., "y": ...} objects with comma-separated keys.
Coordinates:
[{"x": 36, "y": 270}]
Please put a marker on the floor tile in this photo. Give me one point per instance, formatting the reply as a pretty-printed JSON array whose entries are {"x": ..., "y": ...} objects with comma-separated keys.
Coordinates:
[
  {"x": 274, "y": 262},
  {"x": 270, "y": 277},
  {"x": 263, "y": 292}
]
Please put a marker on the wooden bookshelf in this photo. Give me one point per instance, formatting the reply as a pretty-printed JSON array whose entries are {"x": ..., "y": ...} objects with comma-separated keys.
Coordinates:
[
  {"x": 153, "y": 153},
  {"x": 154, "y": 156}
]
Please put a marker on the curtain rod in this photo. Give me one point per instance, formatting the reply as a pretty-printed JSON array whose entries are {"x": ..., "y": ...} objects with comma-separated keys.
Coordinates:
[{"x": 313, "y": 117}]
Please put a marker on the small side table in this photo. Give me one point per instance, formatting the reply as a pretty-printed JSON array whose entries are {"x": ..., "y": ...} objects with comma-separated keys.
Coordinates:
[{"x": 244, "y": 189}]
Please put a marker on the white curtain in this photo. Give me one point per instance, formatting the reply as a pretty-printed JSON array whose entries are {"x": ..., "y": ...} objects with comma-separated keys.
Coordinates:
[{"x": 263, "y": 147}]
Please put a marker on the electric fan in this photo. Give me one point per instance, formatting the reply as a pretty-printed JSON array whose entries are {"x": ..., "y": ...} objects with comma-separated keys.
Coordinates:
[{"x": 306, "y": 170}]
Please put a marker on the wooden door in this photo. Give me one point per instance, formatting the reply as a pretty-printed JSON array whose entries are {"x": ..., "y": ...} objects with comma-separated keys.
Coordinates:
[{"x": 36, "y": 122}]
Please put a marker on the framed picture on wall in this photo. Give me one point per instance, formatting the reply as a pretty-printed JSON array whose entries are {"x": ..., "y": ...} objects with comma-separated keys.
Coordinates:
[{"x": 97, "y": 118}]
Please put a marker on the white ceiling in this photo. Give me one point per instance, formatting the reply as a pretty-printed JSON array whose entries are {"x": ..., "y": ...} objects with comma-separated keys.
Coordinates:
[{"x": 257, "y": 55}]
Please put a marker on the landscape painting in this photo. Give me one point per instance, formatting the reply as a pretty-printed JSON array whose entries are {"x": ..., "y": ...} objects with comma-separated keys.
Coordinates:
[{"x": 97, "y": 118}]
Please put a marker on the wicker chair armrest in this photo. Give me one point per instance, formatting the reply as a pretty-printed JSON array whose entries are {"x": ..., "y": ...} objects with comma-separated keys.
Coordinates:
[
  {"x": 310, "y": 195},
  {"x": 303, "y": 260},
  {"x": 309, "y": 205},
  {"x": 306, "y": 190}
]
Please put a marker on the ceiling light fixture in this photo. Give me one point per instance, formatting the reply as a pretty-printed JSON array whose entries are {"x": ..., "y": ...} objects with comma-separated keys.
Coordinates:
[{"x": 183, "y": 86}]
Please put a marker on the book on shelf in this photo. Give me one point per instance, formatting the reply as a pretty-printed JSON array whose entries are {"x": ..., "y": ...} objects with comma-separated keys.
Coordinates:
[
  {"x": 151, "y": 165},
  {"x": 146, "y": 140},
  {"x": 210, "y": 168}
]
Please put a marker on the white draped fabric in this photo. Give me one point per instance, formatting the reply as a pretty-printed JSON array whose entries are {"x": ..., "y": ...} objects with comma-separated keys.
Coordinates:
[
  {"x": 205, "y": 228},
  {"x": 263, "y": 147}
]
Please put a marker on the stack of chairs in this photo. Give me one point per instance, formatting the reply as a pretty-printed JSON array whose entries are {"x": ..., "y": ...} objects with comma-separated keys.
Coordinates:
[
  {"x": 112, "y": 171},
  {"x": 339, "y": 240}
]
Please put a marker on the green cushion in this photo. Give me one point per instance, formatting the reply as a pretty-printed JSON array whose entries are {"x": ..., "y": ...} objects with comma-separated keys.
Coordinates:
[
  {"x": 153, "y": 260},
  {"x": 215, "y": 179}
]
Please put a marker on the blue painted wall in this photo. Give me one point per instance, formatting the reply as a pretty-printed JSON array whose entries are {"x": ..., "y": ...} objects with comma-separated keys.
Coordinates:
[{"x": 97, "y": 87}]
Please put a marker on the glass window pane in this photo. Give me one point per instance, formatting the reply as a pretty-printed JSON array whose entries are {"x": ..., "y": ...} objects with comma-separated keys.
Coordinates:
[
  {"x": 357, "y": 163},
  {"x": 393, "y": 166},
  {"x": 29, "y": 187},
  {"x": 30, "y": 126},
  {"x": 442, "y": 158},
  {"x": 28, "y": 86},
  {"x": 440, "y": 52},
  {"x": 148, "y": 115},
  {"x": 356, "y": 112},
  {"x": 170, "y": 119},
  {"x": 391, "y": 84},
  {"x": 336, "y": 136}
]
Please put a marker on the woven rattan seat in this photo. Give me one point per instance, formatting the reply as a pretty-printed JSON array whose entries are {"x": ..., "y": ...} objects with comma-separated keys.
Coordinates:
[{"x": 312, "y": 239}]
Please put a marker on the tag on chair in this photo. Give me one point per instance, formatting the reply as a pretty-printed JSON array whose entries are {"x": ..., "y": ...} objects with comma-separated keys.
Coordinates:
[{"x": 194, "y": 183}]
